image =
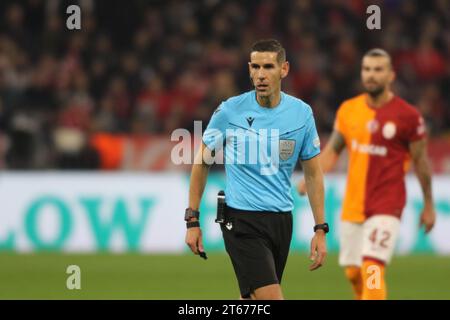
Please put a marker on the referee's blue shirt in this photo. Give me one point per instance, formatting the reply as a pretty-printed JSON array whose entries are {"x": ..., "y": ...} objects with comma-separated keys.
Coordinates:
[{"x": 261, "y": 147}]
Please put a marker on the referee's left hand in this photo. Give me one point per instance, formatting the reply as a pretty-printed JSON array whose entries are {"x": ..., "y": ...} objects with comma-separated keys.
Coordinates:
[{"x": 318, "y": 250}]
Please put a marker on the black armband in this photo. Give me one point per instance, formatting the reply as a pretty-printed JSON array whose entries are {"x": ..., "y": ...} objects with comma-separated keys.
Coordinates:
[{"x": 192, "y": 224}]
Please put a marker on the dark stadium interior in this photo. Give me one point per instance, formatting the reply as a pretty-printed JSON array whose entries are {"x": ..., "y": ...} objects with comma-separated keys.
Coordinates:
[{"x": 149, "y": 67}]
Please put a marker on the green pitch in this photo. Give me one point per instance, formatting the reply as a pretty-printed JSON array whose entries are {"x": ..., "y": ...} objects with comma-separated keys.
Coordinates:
[{"x": 135, "y": 276}]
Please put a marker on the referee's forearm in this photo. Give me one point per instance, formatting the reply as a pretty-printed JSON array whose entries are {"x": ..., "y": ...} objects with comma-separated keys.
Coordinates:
[
  {"x": 315, "y": 187},
  {"x": 197, "y": 184}
]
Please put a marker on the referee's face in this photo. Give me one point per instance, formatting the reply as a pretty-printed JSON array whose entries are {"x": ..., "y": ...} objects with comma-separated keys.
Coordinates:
[{"x": 266, "y": 72}]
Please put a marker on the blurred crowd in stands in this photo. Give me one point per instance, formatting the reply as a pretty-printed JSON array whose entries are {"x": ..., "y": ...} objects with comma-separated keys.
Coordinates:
[{"x": 149, "y": 67}]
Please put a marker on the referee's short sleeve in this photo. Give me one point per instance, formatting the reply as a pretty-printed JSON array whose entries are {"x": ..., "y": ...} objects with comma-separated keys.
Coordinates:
[
  {"x": 311, "y": 142},
  {"x": 214, "y": 135}
]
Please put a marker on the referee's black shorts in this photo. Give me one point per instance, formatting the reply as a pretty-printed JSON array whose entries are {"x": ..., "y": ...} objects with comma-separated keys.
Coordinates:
[{"x": 258, "y": 245}]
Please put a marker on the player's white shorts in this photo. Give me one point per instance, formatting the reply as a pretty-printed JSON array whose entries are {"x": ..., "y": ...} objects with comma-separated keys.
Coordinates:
[
  {"x": 375, "y": 238},
  {"x": 350, "y": 243}
]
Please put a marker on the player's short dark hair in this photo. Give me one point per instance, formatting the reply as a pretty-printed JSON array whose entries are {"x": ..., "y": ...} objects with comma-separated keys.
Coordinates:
[
  {"x": 378, "y": 52},
  {"x": 270, "y": 45}
]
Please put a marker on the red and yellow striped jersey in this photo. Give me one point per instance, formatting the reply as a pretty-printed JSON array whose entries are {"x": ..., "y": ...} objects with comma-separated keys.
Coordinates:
[{"x": 377, "y": 141}]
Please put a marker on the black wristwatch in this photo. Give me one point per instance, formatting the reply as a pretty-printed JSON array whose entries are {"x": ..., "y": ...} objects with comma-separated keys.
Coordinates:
[
  {"x": 189, "y": 213},
  {"x": 323, "y": 226}
]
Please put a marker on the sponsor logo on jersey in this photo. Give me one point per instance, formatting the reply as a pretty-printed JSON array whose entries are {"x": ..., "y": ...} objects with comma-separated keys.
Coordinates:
[
  {"x": 373, "y": 126},
  {"x": 389, "y": 130},
  {"x": 371, "y": 149}
]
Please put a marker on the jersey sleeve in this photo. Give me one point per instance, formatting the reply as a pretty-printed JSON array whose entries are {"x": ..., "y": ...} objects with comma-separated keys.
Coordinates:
[
  {"x": 214, "y": 135},
  {"x": 311, "y": 142},
  {"x": 416, "y": 127}
]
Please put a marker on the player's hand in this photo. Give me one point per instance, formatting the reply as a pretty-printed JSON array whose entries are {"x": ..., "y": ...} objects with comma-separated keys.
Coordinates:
[
  {"x": 301, "y": 187},
  {"x": 194, "y": 240},
  {"x": 428, "y": 218},
  {"x": 318, "y": 250}
]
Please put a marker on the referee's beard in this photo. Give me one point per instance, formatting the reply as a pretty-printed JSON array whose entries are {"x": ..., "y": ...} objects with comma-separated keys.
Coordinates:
[{"x": 266, "y": 92}]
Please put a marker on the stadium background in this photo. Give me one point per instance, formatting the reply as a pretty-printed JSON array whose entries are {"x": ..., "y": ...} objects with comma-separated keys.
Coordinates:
[{"x": 86, "y": 119}]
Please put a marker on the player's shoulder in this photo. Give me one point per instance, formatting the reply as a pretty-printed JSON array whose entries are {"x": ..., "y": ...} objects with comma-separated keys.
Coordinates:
[
  {"x": 350, "y": 104},
  {"x": 297, "y": 104},
  {"x": 404, "y": 108}
]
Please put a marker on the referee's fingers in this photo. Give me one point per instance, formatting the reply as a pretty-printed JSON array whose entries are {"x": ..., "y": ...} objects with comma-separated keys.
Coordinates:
[
  {"x": 318, "y": 261},
  {"x": 313, "y": 250},
  {"x": 200, "y": 244},
  {"x": 321, "y": 257},
  {"x": 315, "y": 265},
  {"x": 429, "y": 227},
  {"x": 193, "y": 247},
  {"x": 192, "y": 244}
]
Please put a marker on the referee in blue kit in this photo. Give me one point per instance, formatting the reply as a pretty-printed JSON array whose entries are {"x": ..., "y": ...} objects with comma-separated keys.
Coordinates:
[{"x": 258, "y": 228}]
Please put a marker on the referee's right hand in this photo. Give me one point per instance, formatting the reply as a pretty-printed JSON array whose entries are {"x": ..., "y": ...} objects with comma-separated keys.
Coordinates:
[{"x": 194, "y": 240}]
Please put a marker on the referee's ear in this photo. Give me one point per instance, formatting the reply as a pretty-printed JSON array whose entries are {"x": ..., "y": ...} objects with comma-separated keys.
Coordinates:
[{"x": 284, "y": 69}]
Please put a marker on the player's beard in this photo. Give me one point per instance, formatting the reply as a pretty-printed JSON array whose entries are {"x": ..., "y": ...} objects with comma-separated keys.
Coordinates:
[{"x": 375, "y": 92}]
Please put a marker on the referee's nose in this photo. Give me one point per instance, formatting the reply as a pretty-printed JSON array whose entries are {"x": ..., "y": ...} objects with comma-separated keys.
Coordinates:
[{"x": 261, "y": 76}]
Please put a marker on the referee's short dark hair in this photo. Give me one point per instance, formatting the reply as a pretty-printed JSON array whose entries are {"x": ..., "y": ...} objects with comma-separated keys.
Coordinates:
[{"x": 270, "y": 45}]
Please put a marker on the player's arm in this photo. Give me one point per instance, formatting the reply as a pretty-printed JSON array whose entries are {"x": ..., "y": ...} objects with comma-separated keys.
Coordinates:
[
  {"x": 330, "y": 154},
  {"x": 314, "y": 183},
  {"x": 328, "y": 157},
  {"x": 199, "y": 174},
  {"x": 418, "y": 151}
]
